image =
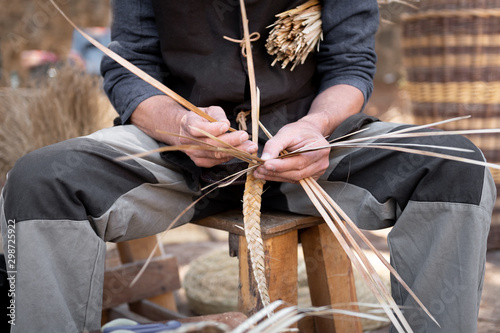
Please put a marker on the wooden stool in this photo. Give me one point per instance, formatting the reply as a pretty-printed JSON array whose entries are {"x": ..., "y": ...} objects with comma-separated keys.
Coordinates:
[
  {"x": 329, "y": 271},
  {"x": 152, "y": 296}
]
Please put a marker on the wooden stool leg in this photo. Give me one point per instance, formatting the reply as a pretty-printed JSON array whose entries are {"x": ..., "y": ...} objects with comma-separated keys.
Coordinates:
[
  {"x": 281, "y": 272},
  {"x": 330, "y": 278},
  {"x": 139, "y": 249}
]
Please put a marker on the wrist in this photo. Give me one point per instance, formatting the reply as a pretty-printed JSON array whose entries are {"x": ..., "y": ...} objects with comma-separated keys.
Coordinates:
[
  {"x": 159, "y": 113},
  {"x": 320, "y": 121},
  {"x": 334, "y": 105}
]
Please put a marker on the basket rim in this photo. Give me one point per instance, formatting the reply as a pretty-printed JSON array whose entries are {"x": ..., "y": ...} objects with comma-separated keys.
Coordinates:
[{"x": 432, "y": 13}]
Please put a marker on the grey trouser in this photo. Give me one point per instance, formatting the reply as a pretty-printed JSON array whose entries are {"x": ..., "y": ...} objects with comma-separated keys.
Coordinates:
[{"x": 63, "y": 202}]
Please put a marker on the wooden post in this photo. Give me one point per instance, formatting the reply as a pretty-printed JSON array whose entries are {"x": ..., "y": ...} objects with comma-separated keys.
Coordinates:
[
  {"x": 139, "y": 249},
  {"x": 281, "y": 272},
  {"x": 330, "y": 278}
]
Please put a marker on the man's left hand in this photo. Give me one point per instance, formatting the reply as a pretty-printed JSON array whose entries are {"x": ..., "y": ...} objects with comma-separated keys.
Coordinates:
[{"x": 292, "y": 169}]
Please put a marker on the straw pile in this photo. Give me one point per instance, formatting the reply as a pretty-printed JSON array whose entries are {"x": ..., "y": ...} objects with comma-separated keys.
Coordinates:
[{"x": 50, "y": 110}]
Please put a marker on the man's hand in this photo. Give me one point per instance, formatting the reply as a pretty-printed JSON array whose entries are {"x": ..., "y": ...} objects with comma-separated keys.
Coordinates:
[
  {"x": 190, "y": 122},
  {"x": 292, "y": 169},
  {"x": 327, "y": 111},
  {"x": 162, "y": 113}
]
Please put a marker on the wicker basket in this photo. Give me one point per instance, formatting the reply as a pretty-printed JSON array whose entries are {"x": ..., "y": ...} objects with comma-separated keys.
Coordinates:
[{"x": 450, "y": 53}]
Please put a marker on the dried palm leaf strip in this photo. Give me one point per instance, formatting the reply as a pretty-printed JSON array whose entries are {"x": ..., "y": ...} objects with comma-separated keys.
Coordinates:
[
  {"x": 321, "y": 200},
  {"x": 364, "y": 267},
  {"x": 252, "y": 196},
  {"x": 345, "y": 217},
  {"x": 138, "y": 72}
]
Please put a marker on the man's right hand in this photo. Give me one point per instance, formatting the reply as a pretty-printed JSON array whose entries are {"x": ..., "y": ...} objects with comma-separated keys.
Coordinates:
[{"x": 164, "y": 114}]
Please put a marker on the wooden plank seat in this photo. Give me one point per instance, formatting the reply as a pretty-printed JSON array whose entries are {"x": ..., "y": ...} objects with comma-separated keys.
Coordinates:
[
  {"x": 329, "y": 271},
  {"x": 152, "y": 296}
]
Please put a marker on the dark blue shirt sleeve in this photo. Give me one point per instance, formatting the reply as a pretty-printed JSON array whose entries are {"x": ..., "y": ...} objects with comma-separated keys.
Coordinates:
[
  {"x": 347, "y": 52},
  {"x": 134, "y": 37}
]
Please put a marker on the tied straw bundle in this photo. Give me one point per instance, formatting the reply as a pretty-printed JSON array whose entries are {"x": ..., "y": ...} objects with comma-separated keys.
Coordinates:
[
  {"x": 328, "y": 209},
  {"x": 298, "y": 32},
  {"x": 295, "y": 34}
]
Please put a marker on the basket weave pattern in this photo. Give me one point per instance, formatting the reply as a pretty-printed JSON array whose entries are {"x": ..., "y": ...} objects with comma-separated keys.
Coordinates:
[{"x": 450, "y": 53}]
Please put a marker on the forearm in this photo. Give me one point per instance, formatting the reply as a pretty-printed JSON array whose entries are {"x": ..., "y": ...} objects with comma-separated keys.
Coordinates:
[
  {"x": 333, "y": 106},
  {"x": 159, "y": 113}
]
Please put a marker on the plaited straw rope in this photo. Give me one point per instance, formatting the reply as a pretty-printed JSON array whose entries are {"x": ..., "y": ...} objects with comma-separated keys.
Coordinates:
[
  {"x": 253, "y": 187},
  {"x": 251, "y": 216}
]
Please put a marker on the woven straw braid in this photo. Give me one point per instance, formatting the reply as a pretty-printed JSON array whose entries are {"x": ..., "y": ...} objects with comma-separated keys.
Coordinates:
[
  {"x": 425, "y": 5},
  {"x": 496, "y": 175},
  {"x": 450, "y": 52},
  {"x": 252, "y": 198},
  {"x": 439, "y": 39},
  {"x": 452, "y": 60},
  {"x": 455, "y": 92},
  {"x": 454, "y": 13}
]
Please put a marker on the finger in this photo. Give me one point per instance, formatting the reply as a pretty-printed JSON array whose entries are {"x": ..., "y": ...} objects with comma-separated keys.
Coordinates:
[
  {"x": 216, "y": 129},
  {"x": 273, "y": 148},
  {"x": 233, "y": 139},
  {"x": 218, "y": 113},
  {"x": 248, "y": 146},
  {"x": 294, "y": 168},
  {"x": 207, "y": 154},
  {"x": 291, "y": 176},
  {"x": 299, "y": 162},
  {"x": 237, "y": 140},
  {"x": 209, "y": 162}
]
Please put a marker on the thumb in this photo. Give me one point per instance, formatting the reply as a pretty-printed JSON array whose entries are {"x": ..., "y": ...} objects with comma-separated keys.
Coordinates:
[{"x": 273, "y": 148}]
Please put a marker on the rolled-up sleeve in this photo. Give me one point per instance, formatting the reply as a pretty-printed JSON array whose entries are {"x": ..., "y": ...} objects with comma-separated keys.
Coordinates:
[
  {"x": 347, "y": 52},
  {"x": 134, "y": 36}
]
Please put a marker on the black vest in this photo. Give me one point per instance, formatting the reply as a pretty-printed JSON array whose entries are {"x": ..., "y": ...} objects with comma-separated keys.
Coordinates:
[{"x": 208, "y": 70}]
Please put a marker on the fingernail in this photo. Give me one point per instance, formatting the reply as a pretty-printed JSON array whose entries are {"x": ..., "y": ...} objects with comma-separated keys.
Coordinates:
[
  {"x": 266, "y": 156},
  {"x": 244, "y": 137}
]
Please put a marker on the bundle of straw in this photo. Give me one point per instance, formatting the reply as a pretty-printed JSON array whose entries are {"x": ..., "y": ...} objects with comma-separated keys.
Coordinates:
[
  {"x": 295, "y": 34},
  {"x": 50, "y": 110}
]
